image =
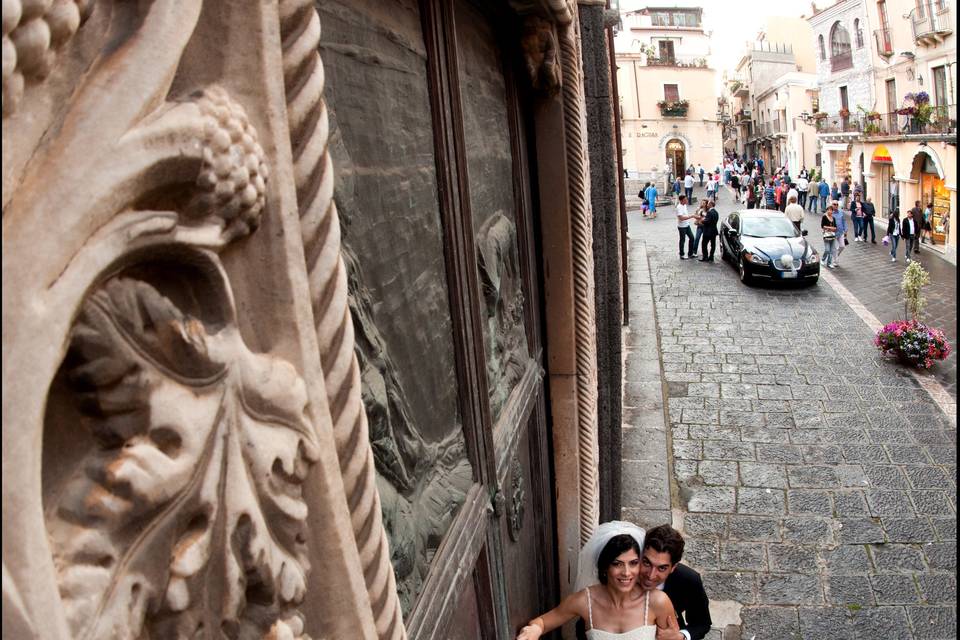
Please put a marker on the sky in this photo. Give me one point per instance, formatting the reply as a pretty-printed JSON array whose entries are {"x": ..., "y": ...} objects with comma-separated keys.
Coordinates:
[{"x": 733, "y": 23}]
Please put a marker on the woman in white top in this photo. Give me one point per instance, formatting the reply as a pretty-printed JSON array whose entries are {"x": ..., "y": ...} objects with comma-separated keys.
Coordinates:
[{"x": 617, "y": 608}]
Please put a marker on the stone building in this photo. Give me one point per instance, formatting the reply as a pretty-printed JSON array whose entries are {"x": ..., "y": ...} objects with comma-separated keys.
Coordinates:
[
  {"x": 901, "y": 158},
  {"x": 845, "y": 79},
  {"x": 785, "y": 136},
  {"x": 301, "y": 315},
  {"x": 668, "y": 93}
]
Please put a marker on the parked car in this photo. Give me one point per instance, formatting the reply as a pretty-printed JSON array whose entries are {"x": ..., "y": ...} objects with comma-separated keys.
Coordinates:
[{"x": 764, "y": 244}]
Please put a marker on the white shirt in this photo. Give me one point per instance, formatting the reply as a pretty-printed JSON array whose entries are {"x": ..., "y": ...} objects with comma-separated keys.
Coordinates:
[
  {"x": 792, "y": 194},
  {"x": 688, "y": 181},
  {"x": 682, "y": 211},
  {"x": 802, "y": 184}
]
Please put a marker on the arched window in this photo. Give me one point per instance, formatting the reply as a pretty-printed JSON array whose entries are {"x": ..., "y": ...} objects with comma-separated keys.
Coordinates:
[
  {"x": 840, "y": 54},
  {"x": 823, "y": 52},
  {"x": 858, "y": 33}
]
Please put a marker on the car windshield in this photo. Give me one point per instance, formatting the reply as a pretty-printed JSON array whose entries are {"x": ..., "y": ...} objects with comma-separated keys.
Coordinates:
[{"x": 771, "y": 227}]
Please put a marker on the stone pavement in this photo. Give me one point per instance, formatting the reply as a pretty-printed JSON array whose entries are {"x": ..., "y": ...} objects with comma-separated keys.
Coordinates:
[
  {"x": 814, "y": 481},
  {"x": 866, "y": 271}
]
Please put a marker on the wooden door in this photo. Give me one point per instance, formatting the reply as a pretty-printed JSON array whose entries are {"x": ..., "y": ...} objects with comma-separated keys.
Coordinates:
[{"x": 429, "y": 129}]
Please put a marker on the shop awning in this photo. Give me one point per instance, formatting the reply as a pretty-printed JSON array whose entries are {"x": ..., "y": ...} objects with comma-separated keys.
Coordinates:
[{"x": 881, "y": 155}]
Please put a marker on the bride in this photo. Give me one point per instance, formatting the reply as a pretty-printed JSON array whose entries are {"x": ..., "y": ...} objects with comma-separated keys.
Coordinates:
[{"x": 609, "y": 597}]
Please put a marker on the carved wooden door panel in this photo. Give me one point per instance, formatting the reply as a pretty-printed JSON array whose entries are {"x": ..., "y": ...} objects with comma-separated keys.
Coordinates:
[{"x": 427, "y": 137}]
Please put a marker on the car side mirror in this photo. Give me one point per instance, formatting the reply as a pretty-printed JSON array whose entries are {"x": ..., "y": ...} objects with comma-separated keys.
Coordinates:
[{"x": 804, "y": 232}]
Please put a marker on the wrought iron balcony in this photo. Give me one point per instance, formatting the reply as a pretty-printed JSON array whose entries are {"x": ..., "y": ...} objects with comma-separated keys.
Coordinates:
[
  {"x": 884, "y": 41},
  {"x": 932, "y": 23}
]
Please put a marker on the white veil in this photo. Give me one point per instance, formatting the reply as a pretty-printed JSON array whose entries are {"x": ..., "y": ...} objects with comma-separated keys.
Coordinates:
[{"x": 590, "y": 553}]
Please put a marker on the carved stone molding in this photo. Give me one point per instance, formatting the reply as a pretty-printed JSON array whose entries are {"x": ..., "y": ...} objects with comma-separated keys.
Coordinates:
[{"x": 517, "y": 500}]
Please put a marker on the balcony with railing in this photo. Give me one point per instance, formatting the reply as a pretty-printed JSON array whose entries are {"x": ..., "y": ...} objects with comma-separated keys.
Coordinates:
[
  {"x": 677, "y": 61},
  {"x": 932, "y": 22},
  {"x": 674, "y": 108},
  {"x": 884, "y": 41},
  {"x": 836, "y": 123},
  {"x": 940, "y": 120},
  {"x": 841, "y": 61},
  {"x": 742, "y": 116}
]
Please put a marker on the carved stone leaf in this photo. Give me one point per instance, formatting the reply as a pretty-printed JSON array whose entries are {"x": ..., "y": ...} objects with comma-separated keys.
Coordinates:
[{"x": 196, "y": 479}]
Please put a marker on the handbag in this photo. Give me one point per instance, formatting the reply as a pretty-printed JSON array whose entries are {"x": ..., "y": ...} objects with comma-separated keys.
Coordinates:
[{"x": 829, "y": 235}]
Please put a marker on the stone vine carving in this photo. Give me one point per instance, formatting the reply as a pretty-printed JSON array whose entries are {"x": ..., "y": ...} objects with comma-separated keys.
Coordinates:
[
  {"x": 201, "y": 451},
  {"x": 32, "y": 32}
]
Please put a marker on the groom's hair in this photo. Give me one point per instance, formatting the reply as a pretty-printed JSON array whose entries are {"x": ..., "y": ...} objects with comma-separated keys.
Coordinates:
[
  {"x": 612, "y": 550},
  {"x": 665, "y": 539}
]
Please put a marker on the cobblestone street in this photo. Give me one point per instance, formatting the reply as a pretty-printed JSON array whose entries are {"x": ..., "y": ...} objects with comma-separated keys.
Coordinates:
[{"x": 813, "y": 479}]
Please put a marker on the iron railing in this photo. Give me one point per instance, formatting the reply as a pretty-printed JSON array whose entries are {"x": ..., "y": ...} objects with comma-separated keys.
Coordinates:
[
  {"x": 841, "y": 61},
  {"x": 884, "y": 41},
  {"x": 677, "y": 61},
  {"x": 941, "y": 120}
]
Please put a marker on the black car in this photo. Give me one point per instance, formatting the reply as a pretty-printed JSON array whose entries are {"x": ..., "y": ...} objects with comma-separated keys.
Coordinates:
[{"x": 765, "y": 244}]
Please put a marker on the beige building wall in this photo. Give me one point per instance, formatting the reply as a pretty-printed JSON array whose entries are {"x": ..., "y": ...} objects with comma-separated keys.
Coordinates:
[
  {"x": 797, "y": 33},
  {"x": 646, "y": 132}
]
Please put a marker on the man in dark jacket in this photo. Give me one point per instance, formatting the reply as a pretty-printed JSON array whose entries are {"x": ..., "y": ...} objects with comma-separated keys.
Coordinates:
[
  {"x": 660, "y": 568},
  {"x": 870, "y": 211},
  {"x": 709, "y": 226},
  {"x": 910, "y": 230}
]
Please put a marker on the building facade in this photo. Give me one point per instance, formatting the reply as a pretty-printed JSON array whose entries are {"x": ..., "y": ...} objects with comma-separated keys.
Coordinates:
[
  {"x": 904, "y": 158},
  {"x": 845, "y": 80},
  {"x": 669, "y": 95},
  {"x": 785, "y": 136},
  {"x": 308, "y": 353}
]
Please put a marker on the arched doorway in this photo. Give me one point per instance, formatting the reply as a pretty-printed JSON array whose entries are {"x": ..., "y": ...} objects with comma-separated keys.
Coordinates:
[
  {"x": 928, "y": 173},
  {"x": 676, "y": 157}
]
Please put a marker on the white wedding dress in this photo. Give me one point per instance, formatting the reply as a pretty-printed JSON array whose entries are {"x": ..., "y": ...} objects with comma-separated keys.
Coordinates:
[{"x": 645, "y": 632}]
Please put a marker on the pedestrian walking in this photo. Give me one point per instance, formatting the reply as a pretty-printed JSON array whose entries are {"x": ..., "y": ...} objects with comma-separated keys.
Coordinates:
[
  {"x": 688, "y": 184},
  {"x": 802, "y": 185},
  {"x": 845, "y": 193},
  {"x": 840, "y": 221},
  {"x": 824, "y": 192},
  {"x": 683, "y": 228},
  {"x": 698, "y": 216},
  {"x": 858, "y": 216},
  {"x": 676, "y": 188},
  {"x": 769, "y": 196},
  {"x": 834, "y": 193},
  {"x": 700, "y": 171},
  {"x": 795, "y": 213},
  {"x": 709, "y": 226},
  {"x": 893, "y": 234},
  {"x": 829, "y": 227},
  {"x": 909, "y": 230},
  {"x": 651, "y": 195},
  {"x": 917, "y": 215},
  {"x": 927, "y": 231},
  {"x": 869, "y": 213}
]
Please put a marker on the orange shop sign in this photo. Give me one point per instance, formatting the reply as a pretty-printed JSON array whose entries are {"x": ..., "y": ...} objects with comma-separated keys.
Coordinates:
[{"x": 881, "y": 155}]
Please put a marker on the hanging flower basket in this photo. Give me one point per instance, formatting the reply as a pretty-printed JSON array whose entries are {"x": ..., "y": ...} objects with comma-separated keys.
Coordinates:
[
  {"x": 913, "y": 343},
  {"x": 820, "y": 115}
]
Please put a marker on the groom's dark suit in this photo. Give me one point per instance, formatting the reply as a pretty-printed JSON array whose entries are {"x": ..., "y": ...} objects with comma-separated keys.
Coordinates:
[{"x": 685, "y": 589}]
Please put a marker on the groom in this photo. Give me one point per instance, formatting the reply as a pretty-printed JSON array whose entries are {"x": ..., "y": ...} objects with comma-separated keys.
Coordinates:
[{"x": 660, "y": 568}]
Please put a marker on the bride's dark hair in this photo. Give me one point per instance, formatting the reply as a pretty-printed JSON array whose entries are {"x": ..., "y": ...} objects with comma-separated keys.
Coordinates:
[{"x": 613, "y": 548}]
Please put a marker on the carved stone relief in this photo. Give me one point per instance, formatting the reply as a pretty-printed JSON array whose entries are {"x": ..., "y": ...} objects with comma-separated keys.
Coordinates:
[{"x": 518, "y": 499}]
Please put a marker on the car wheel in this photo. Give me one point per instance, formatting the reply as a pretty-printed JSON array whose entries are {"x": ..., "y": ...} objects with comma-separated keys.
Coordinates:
[{"x": 744, "y": 276}]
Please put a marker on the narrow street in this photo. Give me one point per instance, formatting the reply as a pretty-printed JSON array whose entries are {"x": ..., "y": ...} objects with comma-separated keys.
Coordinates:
[{"x": 813, "y": 479}]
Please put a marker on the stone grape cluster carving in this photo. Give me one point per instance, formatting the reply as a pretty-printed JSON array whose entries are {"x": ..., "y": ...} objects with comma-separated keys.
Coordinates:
[
  {"x": 32, "y": 32},
  {"x": 232, "y": 181}
]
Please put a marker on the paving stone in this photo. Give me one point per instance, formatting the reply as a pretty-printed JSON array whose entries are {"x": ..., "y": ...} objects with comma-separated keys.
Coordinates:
[
  {"x": 908, "y": 530},
  {"x": 778, "y": 453},
  {"x": 728, "y": 451},
  {"x": 807, "y": 501},
  {"x": 890, "y": 558},
  {"x": 789, "y": 589},
  {"x": 890, "y": 503},
  {"x": 946, "y": 528},
  {"x": 811, "y": 476},
  {"x": 846, "y": 560},
  {"x": 942, "y": 455},
  {"x": 933, "y": 503},
  {"x": 941, "y": 556},
  {"x": 807, "y": 531},
  {"x": 780, "y": 420},
  {"x": 684, "y": 470},
  {"x": 786, "y": 558},
  {"x": 821, "y": 454},
  {"x": 865, "y": 453},
  {"x": 731, "y": 585},
  {"x": 717, "y": 472},
  {"x": 760, "y": 622},
  {"x": 938, "y": 588},
  {"x": 714, "y": 432},
  {"x": 849, "y": 503},
  {"x": 933, "y": 623},
  {"x": 705, "y": 525},
  {"x": 712, "y": 499},
  {"x": 688, "y": 449},
  {"x": 754, "y": 528},
  {"x": 907, "y": 454},
  {"x": 757, "y": 474},
  {"x": 851, "y": 475},
  {"x": 731, "y": 390},
  {"x": 818, "y": 623},
  {"x": 741, "y": 556},
  {"x": 699, "y": 416},
  {"x": 760, "y": 501},
  {"x": 850, "y": 590},
  {"x": 703, "y": 390},
  {"x": 860, "y": 531},
  {"x": 764, "y": 435},
  {"x": 895, "y": 589},
  {"x": 888, "y": 623},
  {"x": 886, "y": 477}
]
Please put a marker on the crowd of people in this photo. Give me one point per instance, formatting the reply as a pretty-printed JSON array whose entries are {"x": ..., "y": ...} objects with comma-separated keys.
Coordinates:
[{"x": 843, "y": 208}]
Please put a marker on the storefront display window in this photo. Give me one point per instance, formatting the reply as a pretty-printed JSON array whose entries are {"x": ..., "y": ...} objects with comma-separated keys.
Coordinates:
[
  {"x": 841, "y": 165},
  {"x": 933, "y": 190}
]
